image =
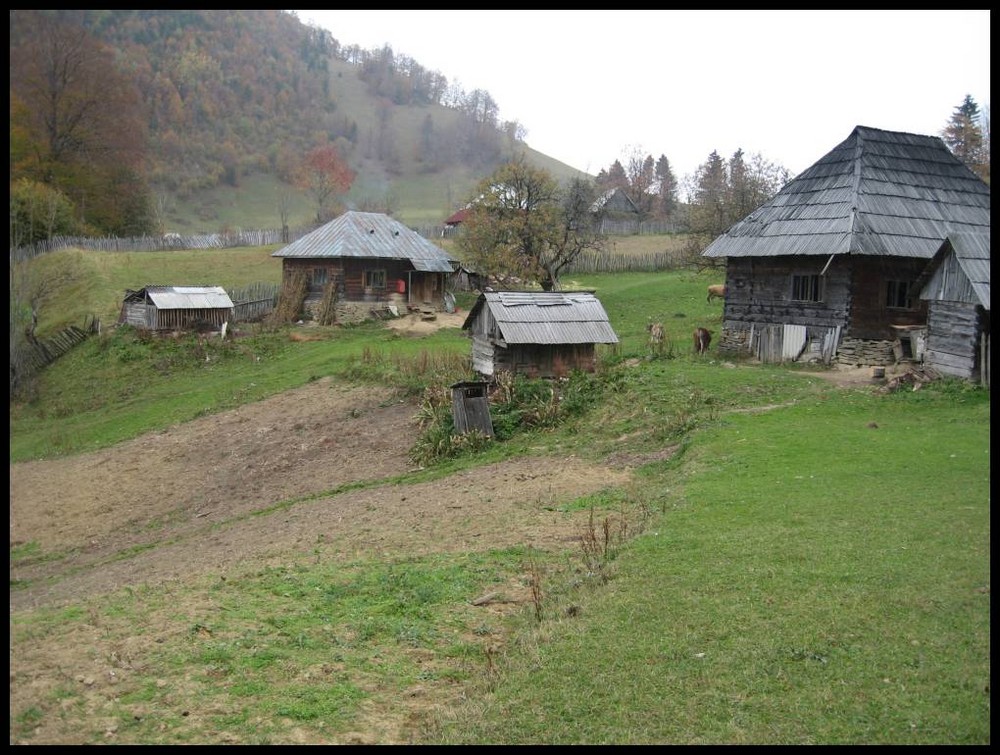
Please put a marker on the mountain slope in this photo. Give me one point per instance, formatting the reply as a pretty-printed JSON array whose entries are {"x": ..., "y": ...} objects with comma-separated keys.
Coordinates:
[{"x": 235, "y": 99}]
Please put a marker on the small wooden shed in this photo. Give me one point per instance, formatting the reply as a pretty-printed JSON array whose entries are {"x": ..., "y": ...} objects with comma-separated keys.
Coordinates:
[
  {"x": 176, "y": 308},
  {"x": 956, "y": 286},
  {"x": 538, "y": 334}
]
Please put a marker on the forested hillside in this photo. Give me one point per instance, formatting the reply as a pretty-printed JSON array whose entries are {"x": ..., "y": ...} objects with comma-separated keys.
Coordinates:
[{"x": 190, "y": 109}]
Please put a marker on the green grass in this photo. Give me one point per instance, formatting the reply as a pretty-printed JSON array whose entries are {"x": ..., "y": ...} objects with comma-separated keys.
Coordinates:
[
  {"x": 813, "y": 580},
  {"x": 810, "y": 566}
]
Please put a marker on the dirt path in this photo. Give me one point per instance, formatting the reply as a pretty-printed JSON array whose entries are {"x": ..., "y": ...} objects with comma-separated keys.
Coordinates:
[{"x": 182, "y": 499}]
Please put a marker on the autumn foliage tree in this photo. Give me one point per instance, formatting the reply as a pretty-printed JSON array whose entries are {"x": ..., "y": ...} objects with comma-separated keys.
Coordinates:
[
  {"x": 77, "y": 125},
  {"x": 327, "y": 177},
  {"x": 523, "y": 227}
]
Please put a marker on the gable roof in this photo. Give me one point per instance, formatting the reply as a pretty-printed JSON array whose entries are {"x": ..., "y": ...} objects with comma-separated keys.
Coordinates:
[
  {"x": 972, "y": 253},
  {"x": 550, "y": 317},
  {"x": 876, "y": 193},
  {"x": 183, "y": 297},
  {"x": 616, "y": 200},
  {"x": 369, "y": 235}
]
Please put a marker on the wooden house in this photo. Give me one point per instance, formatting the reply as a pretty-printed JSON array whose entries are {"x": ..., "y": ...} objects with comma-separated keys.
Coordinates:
[
  {"x": 827, "y": 270},
  {"x": 615, "y": 204},
  {"x": 538, "y": 334},
  {"x": 367, "y": 262},
  {"x": 176, "y": 308},
  {"x": 956, "y": 287}
]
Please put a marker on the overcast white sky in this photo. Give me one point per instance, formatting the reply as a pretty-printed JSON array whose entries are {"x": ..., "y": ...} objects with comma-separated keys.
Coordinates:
[{"x": 590, "y": 87}]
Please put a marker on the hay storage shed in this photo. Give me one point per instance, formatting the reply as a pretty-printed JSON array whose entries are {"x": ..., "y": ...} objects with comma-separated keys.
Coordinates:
[
  {"x": 176, "y": 308},
  {"x": 538, "y": 334}
]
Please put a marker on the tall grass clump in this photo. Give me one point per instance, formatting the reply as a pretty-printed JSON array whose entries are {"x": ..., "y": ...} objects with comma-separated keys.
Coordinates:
[{"x": 518, "y": 404}]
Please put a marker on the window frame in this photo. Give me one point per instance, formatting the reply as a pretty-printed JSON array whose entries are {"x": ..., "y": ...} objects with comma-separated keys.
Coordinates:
[
  {"x": 371, "y": 279},
  {"x": 810, "y": 284},
  {"x": 897, "y": 291}
]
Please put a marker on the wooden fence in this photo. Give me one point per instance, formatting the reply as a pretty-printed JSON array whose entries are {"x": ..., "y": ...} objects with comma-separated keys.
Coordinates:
[
  {"x": 38, "y": 354},
  {"x": 253, "y": 302},
  {"x": 590, "y": 262},
  {"x": 266, "y": 236},
  {"x": 611, "y": 227},
  {"x": 164, "y": 243}
]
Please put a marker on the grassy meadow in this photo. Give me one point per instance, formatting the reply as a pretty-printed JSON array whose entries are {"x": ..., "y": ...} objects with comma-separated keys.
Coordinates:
[{"x": 811, "y": 565}]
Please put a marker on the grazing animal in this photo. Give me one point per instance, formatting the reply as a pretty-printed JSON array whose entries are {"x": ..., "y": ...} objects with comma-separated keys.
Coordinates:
[
  {"x": 702, "y": 338},
  {"x": 717, "y": 292}
]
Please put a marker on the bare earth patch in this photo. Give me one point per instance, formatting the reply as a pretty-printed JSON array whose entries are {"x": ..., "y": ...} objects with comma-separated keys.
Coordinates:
[{"x": 190, "y": 492}]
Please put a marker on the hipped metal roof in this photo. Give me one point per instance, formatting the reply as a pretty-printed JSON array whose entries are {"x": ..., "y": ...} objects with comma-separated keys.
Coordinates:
[
  {"x": 183, "y": 297},
  {"x": 369, "y": 235},
  {"x": 545, "y": 317},
  {"x": 876, "y": 193}
]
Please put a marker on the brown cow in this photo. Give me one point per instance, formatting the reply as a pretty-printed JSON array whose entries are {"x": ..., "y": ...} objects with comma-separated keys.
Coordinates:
[
  {"x": 702, "y": 338},
  {"x": 717, "y": 292}
]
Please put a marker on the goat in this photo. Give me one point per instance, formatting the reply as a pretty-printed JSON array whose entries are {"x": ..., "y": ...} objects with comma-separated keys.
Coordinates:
[
  {"x": 702, "y": 338},
  {"x": 717, "y": 292}
]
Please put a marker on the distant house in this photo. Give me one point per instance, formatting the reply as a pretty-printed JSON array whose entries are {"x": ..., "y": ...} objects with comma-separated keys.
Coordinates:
[
  {"x": 368, "y": 262},
  {"x": 615, "y": 205},
  {"x": 176, "y": 308},
  {"x": 453, "y": 221},
  {"x": 827, "y": 270},
  {"x": 538, "y": 334},
  {"x": 956, "y": 287}
]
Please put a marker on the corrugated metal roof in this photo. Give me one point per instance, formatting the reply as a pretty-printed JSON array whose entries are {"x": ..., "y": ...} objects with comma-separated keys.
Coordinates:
[
  {"x": 370, "y": 235},
  {"x": 554, "y": 317},
  {"x": 876, "y": 193},
  {"x": 184, "y": 297}
]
